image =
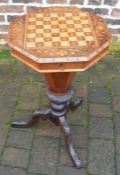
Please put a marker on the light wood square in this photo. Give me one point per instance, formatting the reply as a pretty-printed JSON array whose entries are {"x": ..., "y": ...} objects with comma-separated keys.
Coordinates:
[
  {"x": 65, "y": 43},
  {"x": 55, "y": 30},
  {"x": 70, "y": 22},
  {"x": 76, "y": 17},
  {"x": 39, "y": 30},
  {"x": 47, "y": 27},
  {"x": 30, "y": 35},
  {"x": 78, "y": 25},
  {"x": 63, "y": 26},
  {"x": 63, "y": 34},
  {"x": 31, "y": 27},
  {"x": 82, "y": 43},
  {"x": 39, "y": 23},
  {"x": 72, "y": 39},
  {"x": 68, "y": 14},
  {"x": 84, "y": 22},
  {"x": 54, "y": 15},
  {"x": 39, "y": 39},
  {"x": 48, "y": 35},
  {"x": 31, "y": 20},
  {"x": 83, "y": 14},
  {"x": 38, "y": 15},
  {"x": 46, "y": 18},
  {"x": 61, "y": 18},
  {"x": 70, "y": 30},
  {"x": 89, "y": 38},
  {"x": 87, "y": 29},
  {"x": 54, "y": 23},
  {"x": 79, "y": 34},
  {"x": 30, "y": 44},
  {"x": 48, "y": 44},
  {"x": 56, "y": 39}
]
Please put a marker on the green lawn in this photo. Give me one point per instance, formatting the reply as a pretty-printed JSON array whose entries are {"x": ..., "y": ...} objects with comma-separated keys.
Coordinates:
[{"x": 5, "y": 55}]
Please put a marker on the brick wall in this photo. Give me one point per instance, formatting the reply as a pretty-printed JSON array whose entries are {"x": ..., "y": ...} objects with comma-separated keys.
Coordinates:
[{"x": 108, "y": 9}]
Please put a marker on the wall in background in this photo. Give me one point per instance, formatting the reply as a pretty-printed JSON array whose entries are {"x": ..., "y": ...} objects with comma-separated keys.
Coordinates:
[{"x": 108, "y": 9}]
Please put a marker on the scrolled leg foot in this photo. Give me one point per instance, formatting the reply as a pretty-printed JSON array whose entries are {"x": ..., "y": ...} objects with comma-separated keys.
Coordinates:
[
  {"x": 75, "y": 104},
  {"x": 68, "y": 138},
  {"x": 54, "y": 120},
  {"x": 36, "y": 116}
]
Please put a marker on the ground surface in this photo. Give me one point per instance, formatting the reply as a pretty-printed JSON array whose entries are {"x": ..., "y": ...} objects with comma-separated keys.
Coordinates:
[{"x": 40, "y": 150}]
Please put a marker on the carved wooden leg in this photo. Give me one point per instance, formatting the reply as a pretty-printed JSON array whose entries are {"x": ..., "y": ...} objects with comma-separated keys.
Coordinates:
[
  {"x": 75, "y": 104},
  {"x": 54, "y": 120},
  {"x": 59, "y": 105},
  {"x": 68, "y": 138},
  {"x": 39, "y": 114},
  {"x": 36, "y": 116}
]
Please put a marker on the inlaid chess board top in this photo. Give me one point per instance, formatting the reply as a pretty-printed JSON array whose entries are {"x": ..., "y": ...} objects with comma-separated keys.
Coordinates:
[
  {"x": 58, "y": 29},
  {"x": 59, "y": 34}
]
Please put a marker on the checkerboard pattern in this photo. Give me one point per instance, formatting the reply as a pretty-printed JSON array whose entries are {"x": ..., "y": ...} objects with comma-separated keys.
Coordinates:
[{"x": 56, "y": 29}]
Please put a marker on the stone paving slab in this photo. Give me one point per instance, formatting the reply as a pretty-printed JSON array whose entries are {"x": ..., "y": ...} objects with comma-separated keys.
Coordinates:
[
  {"x": 11, "y": 171},
  {"x": 47, "y": 128},
  {"x": 25, "y": 74},
  {"x": 83, "y": 77},
  {"x": 79, "y": 116},
  {"x": 99, "y": 95},
  {"x": 28, "y": 98},
  {"x": 101, "y": 128},
  {"x": 6, "y": 71},
  {"x": 7, "y": 102},
  {"x": 44, "y": 157},
  {"x": 116, "y": 103},
  {"x": 107, "y": 69},
  {"x": 81, "y": 89},
  {"x": 118, "y": 165},
  {"x": 98, "y": 80},
  {"x": 100, "y": 110},
  {"x": 12, "y": 89},
  {"x": 63, "y": 170},
  {"x": 117, "y": 123},
  {"x": 80, "y": 140},
  {"x": 40, "y": 150},
  {"x": 3, "y": 135},
  {"x": 101, "y": 157},
  {"x": 116, "y": 87},
  {"x": 15, "y": 157},
  {"x": 7, "y": 106},
  {"x": 117, "y": 133},
  {"x": 20, "y": 139}
]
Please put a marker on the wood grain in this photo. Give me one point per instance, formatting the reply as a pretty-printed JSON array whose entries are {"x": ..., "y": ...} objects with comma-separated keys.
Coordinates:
[{"x": 59, "y": 39}]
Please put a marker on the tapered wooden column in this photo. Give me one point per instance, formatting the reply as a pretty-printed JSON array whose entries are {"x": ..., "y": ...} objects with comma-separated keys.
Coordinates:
[{"x": 59, "y": 82}]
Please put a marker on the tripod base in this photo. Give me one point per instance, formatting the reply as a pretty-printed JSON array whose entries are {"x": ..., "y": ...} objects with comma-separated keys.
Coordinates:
[{"x": 57, "y": 115}]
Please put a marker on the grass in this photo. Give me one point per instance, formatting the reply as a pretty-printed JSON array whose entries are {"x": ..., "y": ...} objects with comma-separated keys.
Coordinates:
[
  {"x": 6, "y": 56},
  {"x": 115, "y": 47}
]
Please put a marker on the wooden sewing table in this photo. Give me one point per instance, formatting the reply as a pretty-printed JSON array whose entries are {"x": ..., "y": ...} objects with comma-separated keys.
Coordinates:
[{"x": 58, "y": 42}]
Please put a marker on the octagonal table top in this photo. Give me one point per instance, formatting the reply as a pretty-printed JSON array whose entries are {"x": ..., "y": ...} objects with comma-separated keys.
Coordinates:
[{"x": 59, "y": 34}]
